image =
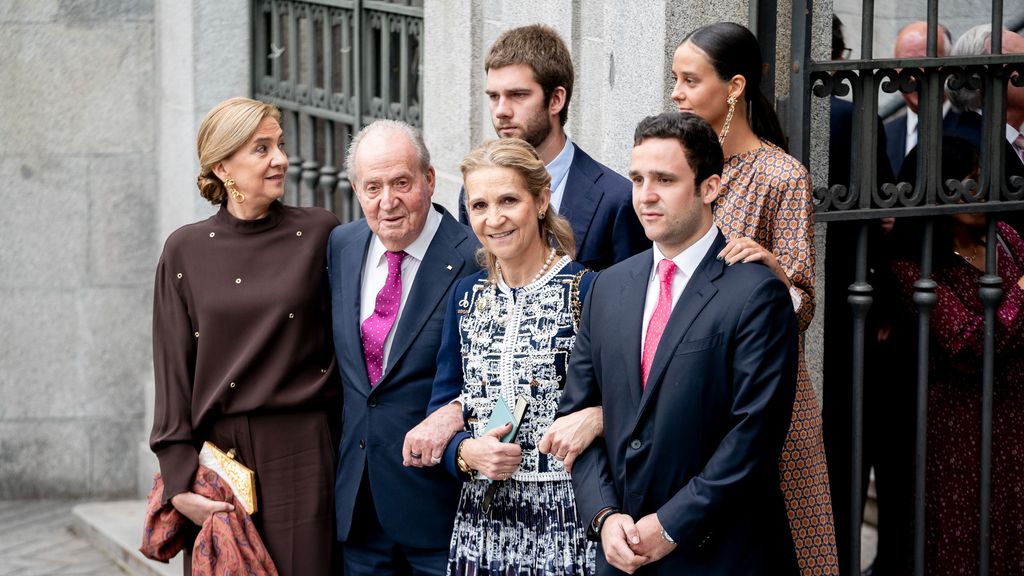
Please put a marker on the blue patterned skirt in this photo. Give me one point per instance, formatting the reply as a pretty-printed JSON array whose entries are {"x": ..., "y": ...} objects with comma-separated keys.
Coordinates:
[{"x": 532, "y": 529}]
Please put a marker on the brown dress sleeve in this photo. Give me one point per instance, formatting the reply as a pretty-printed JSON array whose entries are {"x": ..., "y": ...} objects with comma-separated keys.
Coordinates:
[{"x": 174, "y": 353}]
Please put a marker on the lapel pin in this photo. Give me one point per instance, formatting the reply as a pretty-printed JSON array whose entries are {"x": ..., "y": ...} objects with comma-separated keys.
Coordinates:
[{"x": 449, "y": 266}]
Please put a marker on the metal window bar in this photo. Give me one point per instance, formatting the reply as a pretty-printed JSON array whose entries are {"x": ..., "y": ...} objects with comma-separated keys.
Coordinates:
[
  {"x": 865, "y": 199},
  {"x": 333, "y": 66}
]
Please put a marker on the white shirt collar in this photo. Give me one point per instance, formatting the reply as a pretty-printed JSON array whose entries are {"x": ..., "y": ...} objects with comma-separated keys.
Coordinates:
[
  {"x": 1012, "y": 133},
  {"x": 418, "y": 248},
  {"x": 688, "y": 260},
  {"x": 912, "y": 116}
]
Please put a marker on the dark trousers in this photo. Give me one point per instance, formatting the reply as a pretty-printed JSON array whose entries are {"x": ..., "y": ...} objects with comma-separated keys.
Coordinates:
[
  {"x": 293, "y": 456},
  {"x": 369, "y": 551}
]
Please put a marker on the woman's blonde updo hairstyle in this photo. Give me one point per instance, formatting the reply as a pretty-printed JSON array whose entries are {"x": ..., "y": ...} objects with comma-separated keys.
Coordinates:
[
  {"x": 520, "y": 157},
  {"x": 224, "y": 130}
]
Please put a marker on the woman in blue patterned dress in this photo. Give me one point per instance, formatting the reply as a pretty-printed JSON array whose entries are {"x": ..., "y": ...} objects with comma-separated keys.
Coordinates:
[{"x": 508, "y": 333}]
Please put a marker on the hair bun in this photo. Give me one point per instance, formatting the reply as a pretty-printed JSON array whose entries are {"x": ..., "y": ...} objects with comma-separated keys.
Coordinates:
[{"x": 211, "y": 188}]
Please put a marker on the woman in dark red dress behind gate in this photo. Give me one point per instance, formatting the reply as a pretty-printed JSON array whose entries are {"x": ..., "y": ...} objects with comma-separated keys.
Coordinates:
[
  {"x": 242, "y": 345},
  {"x": 952, "y": 501}
]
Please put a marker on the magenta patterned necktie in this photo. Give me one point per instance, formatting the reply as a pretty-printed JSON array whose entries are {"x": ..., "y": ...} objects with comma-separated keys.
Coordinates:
[
  {"x": 1018, "y": 146},
  {"x": 376, "y": 328},
  {"x": 666, "y": 271}
]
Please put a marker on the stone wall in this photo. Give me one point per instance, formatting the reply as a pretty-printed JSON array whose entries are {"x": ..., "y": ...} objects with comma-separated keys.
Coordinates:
[
  {"x": 99, "y": 105},
  {"x": 77, "y": 161}
]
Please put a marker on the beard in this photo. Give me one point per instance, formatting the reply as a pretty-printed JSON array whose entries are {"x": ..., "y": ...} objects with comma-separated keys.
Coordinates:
[
  {"x": 534, "y": 130},
  {"x": 538, "y": 133}
]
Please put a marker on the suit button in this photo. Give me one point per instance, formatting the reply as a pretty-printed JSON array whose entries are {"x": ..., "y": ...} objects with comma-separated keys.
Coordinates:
[
  {"x": 635, "y": 444},
  {"x": 372, "y": 402},
  {"x": 362, "y": 444}
]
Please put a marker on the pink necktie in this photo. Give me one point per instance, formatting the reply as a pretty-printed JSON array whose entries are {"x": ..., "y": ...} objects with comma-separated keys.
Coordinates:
[
  {"x": 376, "y": 328},
  {"x": 666, "y": 271},
  {"x": 1018, "y": 145}
]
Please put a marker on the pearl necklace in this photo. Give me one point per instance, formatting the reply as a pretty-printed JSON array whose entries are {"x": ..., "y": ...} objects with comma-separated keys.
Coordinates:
[{"x": 543, "y": 269}]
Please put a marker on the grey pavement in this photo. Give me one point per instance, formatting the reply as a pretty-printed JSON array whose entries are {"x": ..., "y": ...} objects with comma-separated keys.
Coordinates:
[
  {"x": 36, "y": 540},
  {"x": 58, "y": 538}
]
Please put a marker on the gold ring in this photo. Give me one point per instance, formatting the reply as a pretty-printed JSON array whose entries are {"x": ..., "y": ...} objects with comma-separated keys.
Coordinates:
[{"x": 415, "y": 455}]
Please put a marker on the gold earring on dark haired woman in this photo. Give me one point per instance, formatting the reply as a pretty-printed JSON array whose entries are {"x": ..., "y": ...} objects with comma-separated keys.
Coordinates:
[
  {"x": 233, "y": 191},
  {"x": 731, "y": 100}
]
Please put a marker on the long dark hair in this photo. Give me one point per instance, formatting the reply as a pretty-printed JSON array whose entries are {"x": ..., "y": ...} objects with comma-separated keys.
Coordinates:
[{"x": 732, "y": 50}]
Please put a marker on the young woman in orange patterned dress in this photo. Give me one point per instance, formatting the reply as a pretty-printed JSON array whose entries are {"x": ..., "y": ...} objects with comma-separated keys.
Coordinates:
[{"x": 764, "y": 209}]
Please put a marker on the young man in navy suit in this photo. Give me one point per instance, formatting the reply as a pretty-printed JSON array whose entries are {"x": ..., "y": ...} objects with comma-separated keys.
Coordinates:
[
  {"x": 529, "y": 85},
  {"x": 391, "y": 275},
  {"x": 693, "y": 360}
]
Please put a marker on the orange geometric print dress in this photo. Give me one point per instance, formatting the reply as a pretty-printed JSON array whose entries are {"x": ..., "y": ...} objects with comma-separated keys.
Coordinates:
[{"x": 766, "y": 196}]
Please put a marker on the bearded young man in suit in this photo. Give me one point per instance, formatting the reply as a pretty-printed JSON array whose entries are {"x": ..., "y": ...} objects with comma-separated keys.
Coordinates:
[
  {"x": 391, "y": 275},
  {"x": 694, "y": 361},
  {"x": 529, "y": 85}
]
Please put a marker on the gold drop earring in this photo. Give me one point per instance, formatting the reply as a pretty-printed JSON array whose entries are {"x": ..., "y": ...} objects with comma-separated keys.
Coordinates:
[
  {"x": 731, "y": 100},
  {"x": 233, "y": 191}
]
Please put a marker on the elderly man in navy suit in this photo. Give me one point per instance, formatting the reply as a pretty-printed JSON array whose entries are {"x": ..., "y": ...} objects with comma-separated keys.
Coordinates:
[
  {"x": 391, "y": 275},
  {"x": 529, "y": 85},
  {"x": 693, "y": 360},
  {"x": 901, "y": 130}
]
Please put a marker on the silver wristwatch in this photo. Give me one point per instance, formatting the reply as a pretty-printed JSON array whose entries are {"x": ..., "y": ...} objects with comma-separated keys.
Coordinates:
[{"x": 667, "y": 538}]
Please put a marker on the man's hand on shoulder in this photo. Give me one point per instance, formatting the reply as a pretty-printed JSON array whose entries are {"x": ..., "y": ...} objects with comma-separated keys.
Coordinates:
[
  {"x": 424, "y": 445},
  {"x": 618, "y": 537}
]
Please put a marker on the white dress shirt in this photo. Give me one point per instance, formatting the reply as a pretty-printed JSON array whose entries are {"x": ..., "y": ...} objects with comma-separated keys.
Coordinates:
[
  {"x": 375, "y": 273},
  {"x": 558, "y": 169},
  {"x": 1011, "y": 137},
  {"x": 912, "y": 126},
  {"x": 686, "y": 263}
]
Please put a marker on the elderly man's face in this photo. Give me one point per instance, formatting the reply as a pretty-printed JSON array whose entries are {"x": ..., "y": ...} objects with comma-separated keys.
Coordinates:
[
  {"x": 393, "y": 191},
  {"x": 912, "y": 42},
  {"x": 1013, "y": 44}
]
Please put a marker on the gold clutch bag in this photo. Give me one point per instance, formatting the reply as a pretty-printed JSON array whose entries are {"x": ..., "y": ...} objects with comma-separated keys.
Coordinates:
[{"x": 241, "y": 479}]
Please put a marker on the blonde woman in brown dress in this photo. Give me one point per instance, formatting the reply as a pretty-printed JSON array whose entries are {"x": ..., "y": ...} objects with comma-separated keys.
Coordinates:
[{"x": 764, "y": 209}]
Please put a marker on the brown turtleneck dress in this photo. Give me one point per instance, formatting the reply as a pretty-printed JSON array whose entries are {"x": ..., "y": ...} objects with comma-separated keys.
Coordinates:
[{"x": 243, "y": 357}]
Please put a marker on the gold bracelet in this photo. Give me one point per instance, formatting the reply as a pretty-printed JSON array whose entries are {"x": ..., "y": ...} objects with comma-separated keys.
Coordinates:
[{"x": 461, "y": 462}]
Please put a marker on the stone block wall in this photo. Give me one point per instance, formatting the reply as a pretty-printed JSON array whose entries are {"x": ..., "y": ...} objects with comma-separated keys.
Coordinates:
[{"x": 77, "y": 229}]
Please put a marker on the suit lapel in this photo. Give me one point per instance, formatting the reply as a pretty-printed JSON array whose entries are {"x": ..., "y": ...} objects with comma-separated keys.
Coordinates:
[
  {"x": 699, "y": 291},
  {"x": 440, "y": 268},
  {"x": 631, "y": 304},
  {"x": 351, "y": 284},
  {"x": 581, "y": 197}
]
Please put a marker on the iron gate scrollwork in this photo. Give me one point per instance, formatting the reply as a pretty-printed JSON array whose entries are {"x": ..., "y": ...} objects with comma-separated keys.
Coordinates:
[
  {"x": 333, "y": 66},
  {"x": 866, "y": 197}
]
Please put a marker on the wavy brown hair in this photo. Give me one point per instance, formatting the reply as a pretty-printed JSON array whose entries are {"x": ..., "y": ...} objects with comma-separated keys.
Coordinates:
[{"x": 518, "y": 156}]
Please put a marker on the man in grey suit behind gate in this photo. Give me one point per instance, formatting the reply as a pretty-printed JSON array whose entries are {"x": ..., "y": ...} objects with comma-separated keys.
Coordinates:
[
  {"x": 391, "y": 276},
  {"x": 694, "y": 363}
]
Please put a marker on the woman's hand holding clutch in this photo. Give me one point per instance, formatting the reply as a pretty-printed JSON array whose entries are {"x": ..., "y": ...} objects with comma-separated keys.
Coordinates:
[
  {"x": 490, "y": 456},
  {"x": 198, "y": 508}
]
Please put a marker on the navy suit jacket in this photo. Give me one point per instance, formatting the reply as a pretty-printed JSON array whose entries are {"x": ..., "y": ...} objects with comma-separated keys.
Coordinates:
[
  {"x": 700, "y": 445},
  {"x": 968, "y": 126},
  {"x": 416, "y": 506},
  {"x": 896, "y": 136},
  {"x": 598, "y": 203}
]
